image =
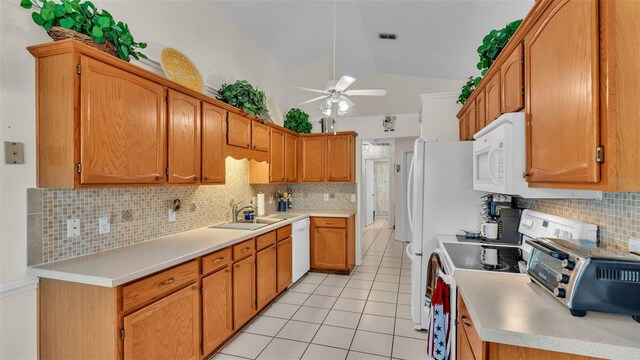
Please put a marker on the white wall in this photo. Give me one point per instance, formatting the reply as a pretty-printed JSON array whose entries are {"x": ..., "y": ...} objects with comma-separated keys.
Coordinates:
[
  {"x": 400, "y": 184},
  {"x": 402, "y": 91},
  {"x": 439, "y": 121},
  {"x": 218, "y": 48}
]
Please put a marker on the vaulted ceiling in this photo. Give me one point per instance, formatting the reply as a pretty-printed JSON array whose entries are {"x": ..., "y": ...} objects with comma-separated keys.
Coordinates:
[{"x": 435, "y": 38}]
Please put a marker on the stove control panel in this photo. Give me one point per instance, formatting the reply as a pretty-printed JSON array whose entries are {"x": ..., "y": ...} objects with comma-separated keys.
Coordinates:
[{"x": 535, "y": 224}]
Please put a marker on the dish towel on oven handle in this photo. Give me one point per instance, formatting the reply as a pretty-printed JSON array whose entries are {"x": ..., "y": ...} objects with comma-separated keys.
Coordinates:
[{"x": 440, "y": 309}]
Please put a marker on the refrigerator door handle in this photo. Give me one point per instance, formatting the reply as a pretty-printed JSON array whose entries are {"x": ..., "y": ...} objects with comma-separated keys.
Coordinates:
[
  {"x": 410, "y": 184},
  {"x": 410, "y": 253}
]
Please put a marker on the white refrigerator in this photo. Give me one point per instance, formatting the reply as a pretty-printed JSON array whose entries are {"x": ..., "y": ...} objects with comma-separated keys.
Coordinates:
[{"x": 441, "y": 200}]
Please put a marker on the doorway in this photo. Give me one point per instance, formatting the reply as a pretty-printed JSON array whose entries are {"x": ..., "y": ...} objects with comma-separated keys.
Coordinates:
[{"x": 377, "y": 180}]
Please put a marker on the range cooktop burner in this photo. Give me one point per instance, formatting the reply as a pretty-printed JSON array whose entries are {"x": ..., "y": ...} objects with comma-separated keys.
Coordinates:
[{"x": 467, "y": 256}]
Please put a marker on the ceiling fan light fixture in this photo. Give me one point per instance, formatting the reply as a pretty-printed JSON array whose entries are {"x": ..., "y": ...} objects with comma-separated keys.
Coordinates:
[
  {"x": 325, "y": 106},
  {"x": 343, "y": 106}
]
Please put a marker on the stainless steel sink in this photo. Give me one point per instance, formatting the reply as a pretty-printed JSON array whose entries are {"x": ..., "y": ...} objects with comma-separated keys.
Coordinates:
[{"x": 260, "y": 222}]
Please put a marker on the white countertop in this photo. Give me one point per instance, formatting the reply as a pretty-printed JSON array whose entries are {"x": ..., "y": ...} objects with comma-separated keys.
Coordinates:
[
  {"x": 122, "y": 265},
  {"x": 510, "y": 309}
]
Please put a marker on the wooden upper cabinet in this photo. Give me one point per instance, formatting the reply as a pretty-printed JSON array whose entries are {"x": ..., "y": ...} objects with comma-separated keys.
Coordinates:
[
  {"x": 561, "y": 79},
  {"x": 472, "y": 121},
  {"x": 214, "y": 121},
  {"x": 217, "y": 309},
  {"x": 276, "y": 156},
  {"x": 512, "y": 81},
  {"x": 463, "y": 127},
  {"x": 312, "y": 158},
  {"x": 169, "y": 326},
  {"x": 340, "y": 158},
  {"x": 239, "y": 131},
  {"x": 183, "y": 138},
  {"x": 122, "y": 126},
  {"x": 290, "y": 158},
  {"x": 492, "y": 93},
  {"x": 259, "y": 136},
  {"x": 481, "y": 110}
]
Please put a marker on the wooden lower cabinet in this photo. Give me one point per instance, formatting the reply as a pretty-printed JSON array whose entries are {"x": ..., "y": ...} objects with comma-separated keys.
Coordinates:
[
  {"x": 244, "y": 291},
  {"x": 285, "y": 264},
  {"x": 217, "y": 309},
  {"x": 471, "y": 347},
  {"x": 332, "y": 244},
  {"x": 266, "y": 273},
  {"x": 165, "y": 329}
]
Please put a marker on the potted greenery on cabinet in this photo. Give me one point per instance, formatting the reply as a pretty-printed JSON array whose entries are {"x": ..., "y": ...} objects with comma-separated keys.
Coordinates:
[
  {"x": 244, "y": 96},
  {"x": 82, "y": 21},
  {"x": 298, "y": 121}
]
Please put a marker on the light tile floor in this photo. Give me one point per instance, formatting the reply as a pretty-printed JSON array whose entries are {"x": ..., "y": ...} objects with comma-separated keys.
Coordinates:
[{"x": 362, "y": 316}]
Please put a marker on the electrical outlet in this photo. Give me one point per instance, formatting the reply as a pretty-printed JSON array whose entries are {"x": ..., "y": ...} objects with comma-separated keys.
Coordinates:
[
  {"x": 172, "y": 215},
  {"x": 634, "y": 245},
  {"x": 104, "y": 225},
  {"x": 326, "y": 197},
  {"x": 73, "y": 228},
  {"x": 353, "y": 197}
]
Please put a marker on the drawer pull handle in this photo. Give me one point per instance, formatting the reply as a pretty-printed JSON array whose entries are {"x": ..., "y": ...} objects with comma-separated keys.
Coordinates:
[
  {"x": 329, "y": 222},
  {"x": 245, "y": 249},
  {"x": 462, "y": 319},
  {"x": 218, "y": 260},
  {"x": 167, "y": 282}
]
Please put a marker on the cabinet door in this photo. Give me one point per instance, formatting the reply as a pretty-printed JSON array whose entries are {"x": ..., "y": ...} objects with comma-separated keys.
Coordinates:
[
  {"x": 239, "y": 131},
  {"x": 471, "y": 121},
  {"x": 463, "y": 126},
  {"x": 266, "y": 270},
  {"x": 312, "y": 159},
  {"x": 168, "y": 328},
  {"x": 561, "y": 77},
  {"x": 285, "y": 264},
  {"x": 481, "y": 111},
  {"x": 244, "y": 291},
  {"x": 512, "y": 77},
  {"x": 259, "y": 136},
  {"x": 217, "y": 310},
  {"x": 492, "y": 93},
  {"x": 340, "y": 158},
  {"x": 214, "y": 120},
  {"x": 464, "y": 348},
  {"x": 122, "y": 127},
  {"x": 290, "y": 158},
  {"x": 329, "y": 248},
  {"x": 276, "y": 156},
  {"x": 183, "y": 138}
]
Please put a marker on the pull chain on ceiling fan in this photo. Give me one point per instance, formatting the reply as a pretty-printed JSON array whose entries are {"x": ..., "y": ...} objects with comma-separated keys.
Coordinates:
[{"x": 335, "y": 94}]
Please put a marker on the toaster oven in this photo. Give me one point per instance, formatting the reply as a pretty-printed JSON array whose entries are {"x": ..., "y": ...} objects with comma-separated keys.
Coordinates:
[{"x": 584, "y": 277}]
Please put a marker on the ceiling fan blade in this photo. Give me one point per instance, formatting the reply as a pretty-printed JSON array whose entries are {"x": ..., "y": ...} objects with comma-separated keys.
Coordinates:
[
  {"x": 366, "y": 92},
  {"x": 312, "y": 100},
  {"x": 312, "y": 90},
  {"x": 344, "y": 83}
]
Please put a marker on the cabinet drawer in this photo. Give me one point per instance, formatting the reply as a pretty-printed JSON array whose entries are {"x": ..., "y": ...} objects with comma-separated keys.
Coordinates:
[
  {"x": 330, "y": 222},
  {"x": 284, "y": 232},
  {"x": 216, "y": 260},
  {"x": 464, "y": 321},
  {"x": 158, "y": 285},
  {"x": 244, "y": 249},
  {"x": 265, "y": 240}
]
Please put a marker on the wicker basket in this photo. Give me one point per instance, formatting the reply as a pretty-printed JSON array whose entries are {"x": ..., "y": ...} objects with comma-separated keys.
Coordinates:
[{"x": 60, "y": 33}]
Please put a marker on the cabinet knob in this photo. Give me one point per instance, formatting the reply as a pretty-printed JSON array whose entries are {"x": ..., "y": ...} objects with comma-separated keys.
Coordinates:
[
  {"x": 463, "y": 319},
  {"x": 248, "y": 145},
  {"x": 195, "y": 178},
  {"x": 158, "y": 178},
  {"x": 206, "y": 178},
  {"x": 525, "y": 175},
  {"x": 254, "y": 146}
]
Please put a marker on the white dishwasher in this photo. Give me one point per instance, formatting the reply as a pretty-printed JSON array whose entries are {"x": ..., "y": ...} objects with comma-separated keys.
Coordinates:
[{"x": 301, "y": 248}]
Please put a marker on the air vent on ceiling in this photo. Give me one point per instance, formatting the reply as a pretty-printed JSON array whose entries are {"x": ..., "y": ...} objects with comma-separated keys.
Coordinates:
[{"x": 387, "y": 36}]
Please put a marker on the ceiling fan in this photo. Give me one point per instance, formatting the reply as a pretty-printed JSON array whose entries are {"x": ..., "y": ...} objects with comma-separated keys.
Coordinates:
[{"x": 335, "y": 94}]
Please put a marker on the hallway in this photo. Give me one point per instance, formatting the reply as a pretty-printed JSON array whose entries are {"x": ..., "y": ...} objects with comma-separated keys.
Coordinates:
[{"x": 362, "y": 316}]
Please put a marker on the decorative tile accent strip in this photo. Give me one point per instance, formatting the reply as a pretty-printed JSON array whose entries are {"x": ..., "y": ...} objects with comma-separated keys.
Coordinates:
[
  {"x": 617, "y": 215},
  {"x": 138, "y": 214}
]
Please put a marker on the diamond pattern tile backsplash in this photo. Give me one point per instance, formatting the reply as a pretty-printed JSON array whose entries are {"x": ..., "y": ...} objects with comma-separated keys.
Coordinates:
[
  {"x": 141, "y": 213},
  {"x": 617, "y": 215}
]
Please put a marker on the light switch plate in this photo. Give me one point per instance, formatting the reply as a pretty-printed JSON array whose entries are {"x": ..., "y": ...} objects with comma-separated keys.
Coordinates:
[
  {"x": 326, "y": 197},
  {"x": 73, "y": 228},
  {"x": 172, "y": 215},
  {"x": 104, "y": 225},
  {"x": 634, "y": 245},
  {"x": 13, "y": 153},
  {"x": 353, "y": 197}
]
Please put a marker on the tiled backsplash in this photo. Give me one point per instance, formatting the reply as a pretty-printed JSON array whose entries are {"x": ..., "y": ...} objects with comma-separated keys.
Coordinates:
[
  {"x": 617, "y": 215},
  {"x": 140, "y": 213},
  {"x": 311, "y": 196}
]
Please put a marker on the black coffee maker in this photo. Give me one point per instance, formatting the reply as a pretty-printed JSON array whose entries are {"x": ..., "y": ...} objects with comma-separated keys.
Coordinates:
[{"x": 508, "y": 220}]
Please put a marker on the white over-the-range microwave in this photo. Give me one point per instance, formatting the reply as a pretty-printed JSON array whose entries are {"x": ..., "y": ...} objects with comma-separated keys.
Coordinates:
[{"x": 499, "y": 156}]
